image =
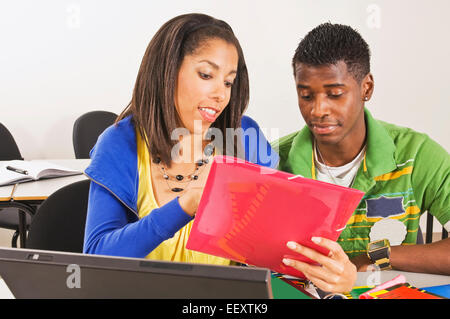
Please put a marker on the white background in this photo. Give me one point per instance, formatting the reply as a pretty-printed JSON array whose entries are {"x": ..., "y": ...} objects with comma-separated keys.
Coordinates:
[{"x": 60, "y": 59}]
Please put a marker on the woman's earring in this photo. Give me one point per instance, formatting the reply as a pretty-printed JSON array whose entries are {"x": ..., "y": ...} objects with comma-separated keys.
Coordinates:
[{"x": 366, "y": 98}]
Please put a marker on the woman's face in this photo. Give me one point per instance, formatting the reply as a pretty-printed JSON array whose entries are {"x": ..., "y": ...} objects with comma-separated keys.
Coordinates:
[{"x": 204, "y": 83}]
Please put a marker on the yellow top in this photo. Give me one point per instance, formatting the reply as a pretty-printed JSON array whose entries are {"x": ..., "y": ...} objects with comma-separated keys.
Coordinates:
[{"x": 172, "y": 249}]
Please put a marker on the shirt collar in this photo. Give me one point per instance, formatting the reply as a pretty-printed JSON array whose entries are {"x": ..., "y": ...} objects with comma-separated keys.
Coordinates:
[{"x": 380, "y": 151}]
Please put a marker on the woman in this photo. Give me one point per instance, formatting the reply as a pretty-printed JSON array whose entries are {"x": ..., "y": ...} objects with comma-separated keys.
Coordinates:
[{"x": 149, "y": 169}]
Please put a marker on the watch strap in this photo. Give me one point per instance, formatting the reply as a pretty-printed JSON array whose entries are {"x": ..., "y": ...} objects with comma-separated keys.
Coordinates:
[{"x": 380, "y": 257}]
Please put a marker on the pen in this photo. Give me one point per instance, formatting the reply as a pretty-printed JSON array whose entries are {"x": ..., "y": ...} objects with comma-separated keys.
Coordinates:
[{"x": 17, "y": 170}]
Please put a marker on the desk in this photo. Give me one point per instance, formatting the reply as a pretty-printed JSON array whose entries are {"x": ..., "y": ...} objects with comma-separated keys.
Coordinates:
[
  {"x": 26, "y": 196},
  {"x": 416, "y": 279},
  {"x": 5, "y": 192},
  {"x": 41, "y": 189}
]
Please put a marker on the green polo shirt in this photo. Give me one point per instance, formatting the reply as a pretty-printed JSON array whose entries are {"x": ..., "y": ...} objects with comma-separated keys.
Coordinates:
[{"x": 404, "y": 174}]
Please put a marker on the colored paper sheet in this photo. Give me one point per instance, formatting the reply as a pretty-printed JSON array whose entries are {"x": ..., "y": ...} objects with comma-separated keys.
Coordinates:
[
  {"x": 403, "y": 291},
  {"x": 400, "y": 279},
  {"x": 442, "y": 290},
  {"x": 283, "y": 290},
  {"x": 248, "y": 213}
]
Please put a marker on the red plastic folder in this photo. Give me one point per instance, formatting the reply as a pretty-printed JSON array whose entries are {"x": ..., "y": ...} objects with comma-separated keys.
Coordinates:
[{"x": 248, "y": 213}]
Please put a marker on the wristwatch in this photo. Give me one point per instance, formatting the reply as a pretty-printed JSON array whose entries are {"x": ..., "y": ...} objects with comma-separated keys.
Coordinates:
[{"x": 379, "y": 252}]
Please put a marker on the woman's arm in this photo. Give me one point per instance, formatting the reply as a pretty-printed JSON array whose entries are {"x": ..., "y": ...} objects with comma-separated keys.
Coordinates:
[
  {"x": 257, "y": 149},
  {"x": 109, "y": 230}
]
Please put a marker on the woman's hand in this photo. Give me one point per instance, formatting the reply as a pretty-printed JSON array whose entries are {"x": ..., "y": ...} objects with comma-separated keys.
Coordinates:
[
  {"x": 189, "y": 201},
  {"x": 336, "y": 272}
]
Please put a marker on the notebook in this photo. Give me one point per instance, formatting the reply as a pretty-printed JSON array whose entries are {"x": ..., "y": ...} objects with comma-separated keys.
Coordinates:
[
  {"x": 17, "y": 171},
  {"x": 248, "y": 213},
  {"x": 50, "y": 274}
]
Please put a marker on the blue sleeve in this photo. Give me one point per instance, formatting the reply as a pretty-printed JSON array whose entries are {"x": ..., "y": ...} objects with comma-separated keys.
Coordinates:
[
  {"x": 109, "y": 230},
  {"x": 257, "y": 148}
]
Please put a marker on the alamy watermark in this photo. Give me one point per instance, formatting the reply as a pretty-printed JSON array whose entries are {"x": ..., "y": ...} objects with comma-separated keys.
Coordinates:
[
  {"x": 74, "y": 279},
  {"x": 374, "y": 18},
  {"x": 374, "y": 279},
  {"x": 73, "y": 19}
]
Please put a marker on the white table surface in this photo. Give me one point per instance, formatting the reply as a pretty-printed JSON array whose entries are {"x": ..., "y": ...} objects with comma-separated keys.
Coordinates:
[
  {"x": 414, "y": 279},
  {"x": 5, "y": 192},
  {"x": 41, "y": 189}
]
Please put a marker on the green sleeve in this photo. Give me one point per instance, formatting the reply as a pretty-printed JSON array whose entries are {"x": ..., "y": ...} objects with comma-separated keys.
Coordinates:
[
  {"x": 282, "y": 147},
  {"x": 431, "y": 180}
]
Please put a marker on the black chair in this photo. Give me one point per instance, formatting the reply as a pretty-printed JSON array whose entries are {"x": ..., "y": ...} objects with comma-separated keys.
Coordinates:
[
  {"x": 429, "y": 233},
  {"x": 9, "y": 217},
  {"x": 87, "y": 128},
  {"x": 59, "y": 223},
  {"x": 9, "y": 149}
]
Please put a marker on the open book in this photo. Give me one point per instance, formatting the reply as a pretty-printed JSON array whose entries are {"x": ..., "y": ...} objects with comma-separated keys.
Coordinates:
[{"x": 13, "y": 172}]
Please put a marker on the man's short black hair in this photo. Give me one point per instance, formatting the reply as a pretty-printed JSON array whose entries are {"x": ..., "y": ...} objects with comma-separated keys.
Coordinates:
[{"x": 328, "y": 43}]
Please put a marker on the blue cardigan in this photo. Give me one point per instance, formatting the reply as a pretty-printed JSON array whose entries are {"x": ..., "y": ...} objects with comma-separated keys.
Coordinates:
[{"x": 113, "y": 226}]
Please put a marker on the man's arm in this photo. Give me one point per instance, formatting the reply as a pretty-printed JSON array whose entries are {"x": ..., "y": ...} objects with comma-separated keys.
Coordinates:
[
  {"x": 431, "y": 258},
  {"x": 431, "y": 186}
]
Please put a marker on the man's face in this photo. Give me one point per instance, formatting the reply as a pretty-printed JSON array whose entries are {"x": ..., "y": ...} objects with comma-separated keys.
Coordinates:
[{"x": 332, "y": 102}]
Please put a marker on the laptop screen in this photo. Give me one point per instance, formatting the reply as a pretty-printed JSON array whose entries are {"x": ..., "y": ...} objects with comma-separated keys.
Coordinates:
[{"x": 50, "y": 274}]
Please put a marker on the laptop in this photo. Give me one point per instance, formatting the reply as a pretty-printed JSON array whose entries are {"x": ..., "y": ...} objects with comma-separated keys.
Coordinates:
[{"x": 50, "y": 274}]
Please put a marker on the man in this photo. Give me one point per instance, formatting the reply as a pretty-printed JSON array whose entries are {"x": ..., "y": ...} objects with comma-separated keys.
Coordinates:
[{"x": 403, "y": 173}]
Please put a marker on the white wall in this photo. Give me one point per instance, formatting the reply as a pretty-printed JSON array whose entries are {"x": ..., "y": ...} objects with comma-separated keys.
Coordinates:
[{"x": 60, "y": 59}]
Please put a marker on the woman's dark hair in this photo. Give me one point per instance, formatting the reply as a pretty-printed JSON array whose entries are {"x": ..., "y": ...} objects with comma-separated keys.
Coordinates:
[{"x": 153, "y": 102}]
